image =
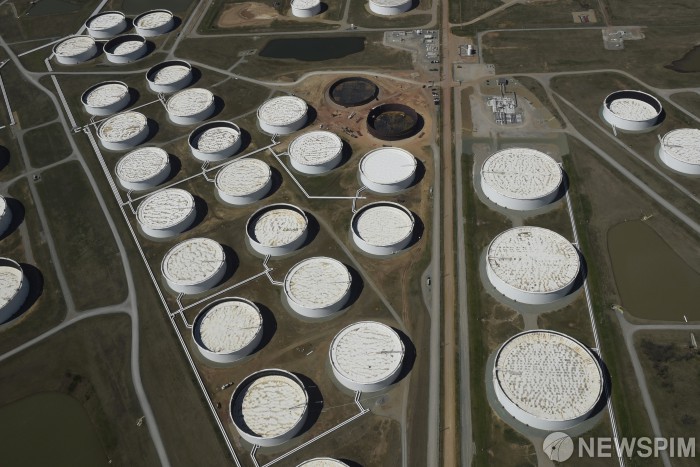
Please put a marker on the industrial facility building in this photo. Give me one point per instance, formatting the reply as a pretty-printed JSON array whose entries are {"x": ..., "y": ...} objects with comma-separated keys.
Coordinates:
[
  {"x": 194, "y": 266},
  {"x": 169, "y": 76},
  {"x": 123, "y": 131},
  {"x": 521, "y": 179},
  {"x": 317, "y": 287},
  {"x": 367, "y": 356},
  {"x": 532, "y": 265},
  {"x": 680, "y": 150},
  {"x": 75, "y": 50},
  {"x": 390, "y": 7},
  {"x": 244, "y": 181},
  {"x": 382, "y": 228},
  {"x": 631, "y": 110},
  {"x": 547, "y": 380},
  {"x": 190, "y": 106},
  {"x": 228, "y": 329},
  {"x": 282, "y": 115},
  {"x": 277, "y": 229},
  {"x": 126, "y": 48},
  {"x": 388, "y": 169},
  {"x": 14, "y": 288},
  {"x": 106, "y": 98},
  {"x": 215, "y": 141},
  {"x": 106, "y": 24},
  {"x": 316, "y": 152},
  {"x": 269, "y": 407},
  {"x": 166, "y": 213},
  {"x": 154, "y": 23},
  {"x": 143, "y": 168},
  {"x": 306, "y": 8}
]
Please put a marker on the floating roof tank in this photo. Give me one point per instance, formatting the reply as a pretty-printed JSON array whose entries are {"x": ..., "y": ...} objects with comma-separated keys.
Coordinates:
[
  {"x": 215, "y": 141},
  {"x": 228, "y": 330},
  {"x": 680, "y": 150},
  {"x": 532, "y": 265},
  {"x": 390, "y": 7},
  {"x": 367, "y": 356},
  {"x": 106, "y": 98},
  {"x": 382, "y": 228},
  {"x": 282, "y": 115},
  {"x": 169, "y": 76},
  {"x": 547, "y": 380},
  {"x": 277, "y": 229},
  {"x": 631, "y": 110},
  {"x": 521, "y": 178},
  {"x": 323, "y": 462},
  {"x": 106, "y": 24},
  {"x": 244, "y": 181},
  {"x": 388, "y": 170},
  {"x": 154, "y": 23},
  {"x": 316, "y": 152},
  {"x": 318, "y": 287},
  {"x": 75, "y": 49},
  {"x": 126, "y": 48},
  {"x": 5, "y": 215},
  {"x": 123, "y": 131},
  {"x": 194, "y": 266},
  {"x": 143, "y": 168},
  {"x": 191, "y": 106},
  {"x": 166, "y": 213},
  {"x": 14, "y": 288},
  {"x": 306, "y": 8},
  {"x": 269, "y": 407}
]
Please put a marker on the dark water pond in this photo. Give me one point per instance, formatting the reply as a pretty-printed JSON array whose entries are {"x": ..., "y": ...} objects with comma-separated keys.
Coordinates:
[
  {"x": 313, "y": 50},
  {"x": 689, "y": 63}
]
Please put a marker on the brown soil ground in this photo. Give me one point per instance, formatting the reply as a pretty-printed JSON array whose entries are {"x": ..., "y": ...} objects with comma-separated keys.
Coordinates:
[{"x": 246, "y": 14}]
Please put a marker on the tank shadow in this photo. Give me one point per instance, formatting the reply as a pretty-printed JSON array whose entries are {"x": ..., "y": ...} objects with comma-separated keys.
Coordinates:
[
  {"x": 269, "y": 326},
  {"x": 202, "y": 211},
  {"x": 175, "y": 167},
  {"x": 276, "y": 178},
  {"x": 315, "y": 402},
  {"x": 356, "y": 287},
  {"x": 4, "y": 157},
  {"x": 409, "y": 357}
]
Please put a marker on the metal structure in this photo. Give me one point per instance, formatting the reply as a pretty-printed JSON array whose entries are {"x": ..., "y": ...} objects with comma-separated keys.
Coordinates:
[
  {"x": 631, "y": 110},
  {"x": 14, "y": 288},
  {"x": 317, "y": 287},
  {"x": 75, "y": 50},
  {"x": 190, "y": 106},
  {"x": 143, "y": 168},
  {"x": 382, "y": 228},
  {"x": 106, "y": 98},
  {"x": 680, "y": 150},
  {"x": 123, "y": 131},
  {"x": 169, "y": 76},
  {"x": 154, "y": 23},
  {"x": 282, "y": 115},
  {"x": 388, "y": 169},
  {"x": 244, "y": 181},
  {"x": 215, "y": 141},
  {"x": 316, "y": 152},
  {"x": 126, "y": 48},
  {"x": 166, "y": 213},
  {"x": 194, "y": 266},
  {"x": 277, "y": 229}
]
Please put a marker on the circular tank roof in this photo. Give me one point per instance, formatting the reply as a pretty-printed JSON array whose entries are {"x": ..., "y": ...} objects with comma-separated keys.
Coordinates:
[
  {"x": 154, "y": 19},
  {"x": 11, "y": 278},
  {"x": 3, "y": 206},
  {"x": 522, "y": 173},
  {"x": 193, "y": 261},
  {"x": 315, "y": 148},
  {"x": 125, "y": 47},
  {"x": 271, "y": 405},
  {"x": 683, "y": 145},
  {"x": 165, "y": 208},
  {"x": 74, "y": 46},
  {"x": 243, "y": 177},
  {"x": 190, "y": 102},
  {"x": 383, "y": 224},
  {"x": 142, "y": 164},
  {"x": 305, "y": 4},
  {"x": 323, "y": 462},
  {"x": 122, "y": 126},
  {"x": 216, "y": 139},
  {"x": 388, "y": 165},
  {"x": 229, "y": 325},
  {"x": 367, "y": 352},
  {"x": 282, "y": 110},
  {"x": 317, "y": 282},
  {"x": 105, "y": 94},
  {"x": 533, "y": 259},
  {"x": 549, "y": 375},
  {"x": 634, "y": 106},
  {"x": 390, "y": 3},
  {"x": 170, "y": 73},
  {"x": 105, "y": 20},
  {"x": 278, "y": 225}
]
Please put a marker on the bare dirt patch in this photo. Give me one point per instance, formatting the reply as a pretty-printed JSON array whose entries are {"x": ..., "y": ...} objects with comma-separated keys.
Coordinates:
[{"x": 246, "y": 14}]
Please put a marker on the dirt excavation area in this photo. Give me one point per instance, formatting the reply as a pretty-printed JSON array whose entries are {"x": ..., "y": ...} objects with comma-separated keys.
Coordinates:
[{"x": 246, "y": 14}]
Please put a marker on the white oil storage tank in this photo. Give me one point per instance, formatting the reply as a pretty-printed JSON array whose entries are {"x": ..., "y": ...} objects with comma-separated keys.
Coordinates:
[
  {"x": 316, "y": 152},
  {"x": 282, "y": 115},
  {"x": 306, "y": 8},
  {"x": 388, "y": 170},
  {"x": 323, "y": 462},
  {"x": 367, "y": 356},
  {"x": 123, "y": 131},
  {"x": 5, "y": 215},
  {"x": 680, "y": 150},
  {"x": 269, "y": 407},
  {"x": 166, "y": 213},
  {"x": 244, "y": 181},
  {"x": 547, "y": 380},
  {"x": 521, "y": 178},
  {"x": 228, "y": 329},
  {"x": 126, "y": 48},
  {"x": 631, "y": 110},
  {"x": 75, "y": 50},
  {"x": 143, "y": 168},
  {"x": 190, "y": 106},
  {"x": 14, "y": 288},
  {"x": 169, "y": 76},
  {"x": 532, "y": 265},
  {"x": 277, "y": 229},
  {"x": 106, "y": 24},
  {"x": 382, "y": 228},
  {"x": 106, "y": 98},
  {"x": 317, "y": 287},
  {"x": 390, "y": 7},
  {"x": 154, "y": 23},
  {"x": 194, "y": 266},
  {"x": 215, "y": 141}
]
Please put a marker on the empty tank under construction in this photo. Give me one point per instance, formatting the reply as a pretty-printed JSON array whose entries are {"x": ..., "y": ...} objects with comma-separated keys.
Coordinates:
[
  {"x": 123, "y": 131},
  {"x": 532, "y": 265},
  {"x": 75, "y": 50},
  {"x": 169, "y": 76},
  {"x": 143, "y": 168},
  {"x": 631, "y": 110},
  {"x": 269, "y": 407},
  {"x": 547, "y": 380},
  {"x": 316, "y": 152},
  {"x": 194, "y": 266},
  {"x": 282, "y": 115},
  {"x": 277, "y": 229},
  {"x": 388, "y": 169},
  {"x": 521, "y": 178},
  {"x": 106, "y": 98},
  {"x": 680, "y": 150},
  {"x": 228, "y": 329},
  {"x": 190, "y": 106},
  {"x": 215, "y": 141},
  {"x": 382, "y": 228},
  {"x": 154, "y": 23},
  {"x": 318, "y": 287},
  {"x": 166, "y": 213},
  {"x": 244, "y": 181},
  {"x": 367, "y": 356},
  {"x": 14, "y": 288}
]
